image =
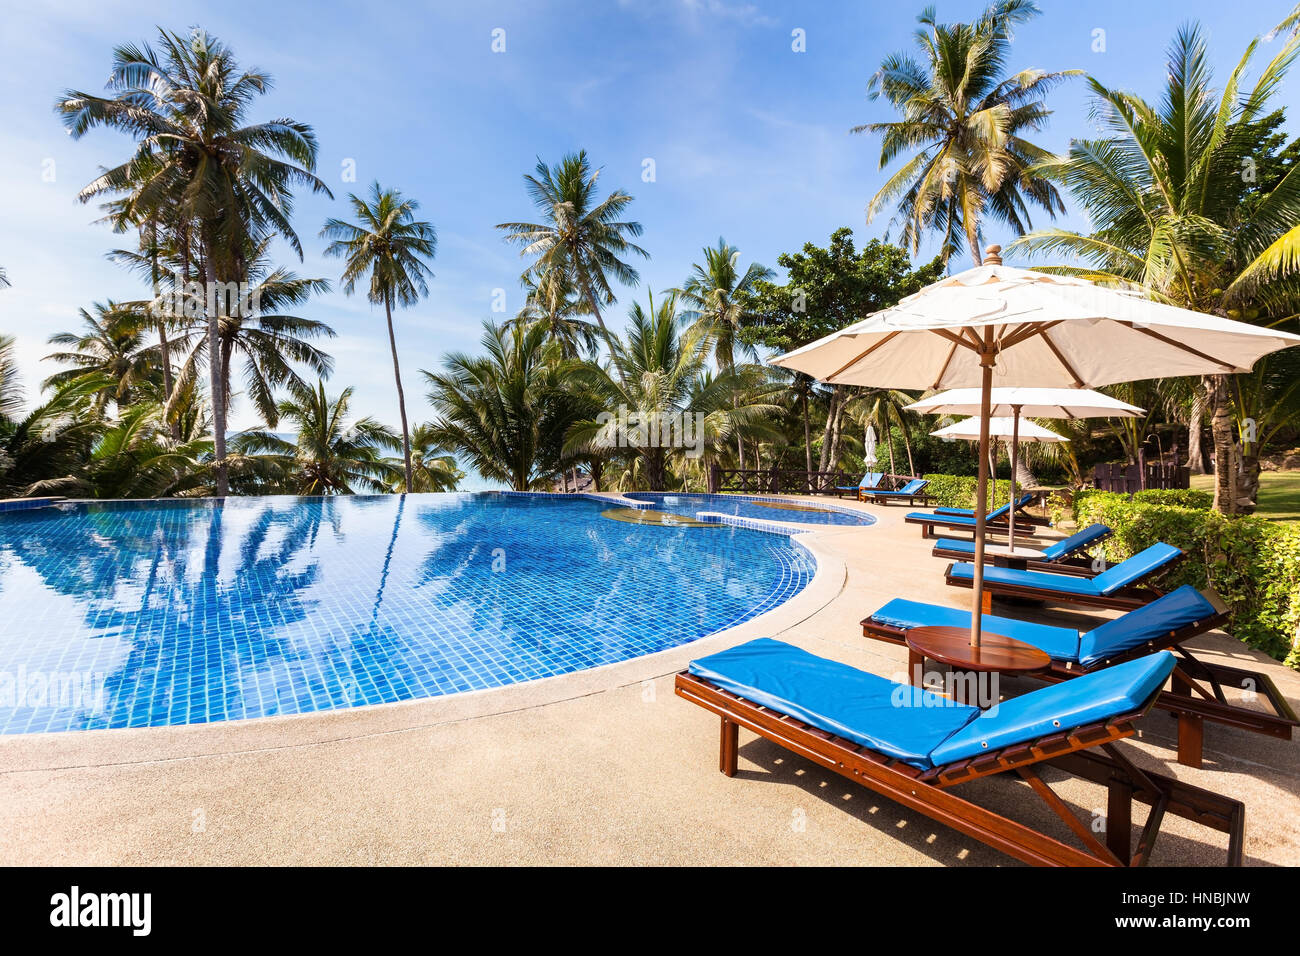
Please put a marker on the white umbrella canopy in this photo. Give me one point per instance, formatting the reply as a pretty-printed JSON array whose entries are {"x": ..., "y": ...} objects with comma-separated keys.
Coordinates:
[
  {"x": 1033, "y": 330},
  {"x": 870, "y": 451},
  {"x": 969, "y": 430},
  {"x": 995, "y": 324},
  {"x": 1028, "y": 402},
  {"x": 1013, "y": 432},
  {"x": 1032, "y": 402}
]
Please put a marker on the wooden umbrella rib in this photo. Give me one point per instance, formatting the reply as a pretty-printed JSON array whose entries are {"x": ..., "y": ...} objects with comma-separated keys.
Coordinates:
[
  {"x": 860, "y": 356},
  {"x": 946, "y": 362},
  {"x": 1228, "y": 366},
  {"x": 1078, "y": 382}
]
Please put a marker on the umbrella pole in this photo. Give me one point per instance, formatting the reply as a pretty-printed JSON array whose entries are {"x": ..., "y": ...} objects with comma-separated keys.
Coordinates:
[
  {"x": 1015, "y": 450},
  {"x": 981, "y": 499}
]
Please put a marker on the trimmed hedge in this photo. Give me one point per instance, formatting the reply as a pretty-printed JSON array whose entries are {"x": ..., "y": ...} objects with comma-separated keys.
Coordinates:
[
  {"x": 1253, "y": 563},
  {"x": 1178, "y": 497},
  {"x": 958, "y": 491}
]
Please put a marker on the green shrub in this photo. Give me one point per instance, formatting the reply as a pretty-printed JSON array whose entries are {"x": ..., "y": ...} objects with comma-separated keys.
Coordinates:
[
  {"x": 1178, "y": 497},
  {"x": 958, "y": 491},
  {"x": 1252, "y": 563}
]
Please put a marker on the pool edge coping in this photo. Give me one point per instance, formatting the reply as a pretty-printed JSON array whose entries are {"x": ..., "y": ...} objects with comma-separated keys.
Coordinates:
[{"x": 49, "y": 752}]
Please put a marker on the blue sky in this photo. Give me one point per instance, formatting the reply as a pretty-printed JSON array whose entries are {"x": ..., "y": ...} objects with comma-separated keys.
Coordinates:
[{"x": 749, "y": 138}]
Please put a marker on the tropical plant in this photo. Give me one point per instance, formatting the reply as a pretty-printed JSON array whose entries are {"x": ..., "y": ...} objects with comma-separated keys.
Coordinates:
[
  {"x": 434, "y": 469},
  {"x": 825, "y": 290},
  {"x": 967, "y": 120},
  {"x": 109, "y": 346},
  {"x": 1189, "y": 201},
  {"x": 330, "y": 455},
  {"x": 391, "y": 246},
  {"x": 505, "y": 412},
  {"x": 553, "y": 301},
  {"x": 271, "y": 344},
  {"x": 198, "y": 160},
  {"x": 581, "y": 236},
  {"x": 660, "y": 374}
]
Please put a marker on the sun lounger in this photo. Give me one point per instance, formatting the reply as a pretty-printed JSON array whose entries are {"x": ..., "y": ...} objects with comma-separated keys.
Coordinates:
[
  {"x": 910, "y": 492},
  {"x": 1067, "y": 556},
  {"x": 870, "y": 480},
  {"x": 1124, "y": 585},
  {"x": 1197, "y": 688},
  {"x": 995, "y": 520},
  {"x": 913, "y": 746}
]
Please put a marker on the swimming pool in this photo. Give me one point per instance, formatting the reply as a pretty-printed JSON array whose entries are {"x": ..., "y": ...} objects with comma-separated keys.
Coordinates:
[
  {"x": 163, "y": 613},
  {"x": 762, "y": 509}
]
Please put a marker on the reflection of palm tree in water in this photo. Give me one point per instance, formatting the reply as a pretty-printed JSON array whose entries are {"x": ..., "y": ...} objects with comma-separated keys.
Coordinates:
[{"x": 182, "y": 617}]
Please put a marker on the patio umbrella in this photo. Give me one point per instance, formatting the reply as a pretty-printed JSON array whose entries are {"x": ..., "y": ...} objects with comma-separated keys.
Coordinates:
[
  {"x": 997, "y": 324},
  {"x": 1030, "y": 402},
  {"x": 870, "y": 441},
  {"x": 1008, "y": 429}
]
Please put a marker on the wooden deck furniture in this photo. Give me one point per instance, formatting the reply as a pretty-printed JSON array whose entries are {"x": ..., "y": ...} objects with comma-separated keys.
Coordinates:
[
  {"x": 1067, "y": 556},
  {"x": 995, "y": 654},
  {"x": 1122, "y": 586},
  {"x": 931, "y": 791},
  {"x": 1196, "y": 690}
]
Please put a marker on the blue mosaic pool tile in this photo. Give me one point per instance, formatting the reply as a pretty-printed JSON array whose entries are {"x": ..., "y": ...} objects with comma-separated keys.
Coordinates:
[{"x": 161, "y": 613}]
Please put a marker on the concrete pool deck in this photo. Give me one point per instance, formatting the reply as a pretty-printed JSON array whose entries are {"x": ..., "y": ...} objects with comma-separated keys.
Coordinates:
[{"x": 605, "y": 766}]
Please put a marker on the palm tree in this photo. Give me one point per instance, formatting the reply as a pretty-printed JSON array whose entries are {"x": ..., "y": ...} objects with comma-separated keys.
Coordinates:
[
  {"x": 883, "y": 407},
  {"x": 435, "y": 470},
  {"x": 553, "y": 301},
  {"x": 1190, "y": 202},
  {"x": 505, "y": 412},
  {"x": 581, "y": 236},
  {"x": 968, "y": 120},
  {"x": 717, "y": 297},
  {"x": 330, "y": 456},
  {"x": 110, "y": 345},
  {"x": 392, "y": 246},
  {"x": 198, "y": 160},
  {"x": 272, "y": 344},
  {"x": 661, "y": 374}
]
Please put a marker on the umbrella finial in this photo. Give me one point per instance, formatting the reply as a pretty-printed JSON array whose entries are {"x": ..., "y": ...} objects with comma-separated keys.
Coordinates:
[{"x": 993, "y": 255}]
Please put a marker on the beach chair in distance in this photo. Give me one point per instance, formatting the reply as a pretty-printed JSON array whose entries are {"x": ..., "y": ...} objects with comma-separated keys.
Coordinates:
[
  {"x": 960, "y": 519},
  {"x": 1122, "y": 586},
  {"x": 913, "y": 489},
  {"x": 1067, "y": 556},
  {"x": 915, "y": 747},
  {"x": 869, "y": 481},
  {"x": 1196, "y": 690}
]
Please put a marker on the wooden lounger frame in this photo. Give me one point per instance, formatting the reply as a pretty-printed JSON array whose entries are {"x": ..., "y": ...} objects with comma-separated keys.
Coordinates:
[
  {"x": 929, "y": 791},
  {"x": 1125, "y": 599},
  {"x": 1079, "y": 564},
  {"x": 998, "y": 525},
  {"x": 1196, "y": 687}
]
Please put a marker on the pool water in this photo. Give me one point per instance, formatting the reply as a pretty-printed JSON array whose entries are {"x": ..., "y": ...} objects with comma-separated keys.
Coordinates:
[
  {"x": 165, "y": 613},
  {"x": 770, "y": 509}
]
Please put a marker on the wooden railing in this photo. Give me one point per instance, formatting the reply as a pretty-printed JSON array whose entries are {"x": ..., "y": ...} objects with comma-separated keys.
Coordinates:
[
  {"x": 1127, "y": 479},
  {"x": 777, "y": 481}
]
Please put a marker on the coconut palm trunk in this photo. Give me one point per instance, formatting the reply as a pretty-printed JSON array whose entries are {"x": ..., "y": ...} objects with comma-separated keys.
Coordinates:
[
  {"x": 216, "y": 381},
  {"x": 1225, "y": 470},
  {"x": 401, "y": 395}
]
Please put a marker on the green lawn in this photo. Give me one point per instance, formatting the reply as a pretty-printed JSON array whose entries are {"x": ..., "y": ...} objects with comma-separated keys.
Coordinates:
[{"x": 1279, "y": 494}]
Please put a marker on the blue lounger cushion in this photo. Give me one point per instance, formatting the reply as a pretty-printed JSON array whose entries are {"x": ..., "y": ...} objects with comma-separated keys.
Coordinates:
[
  {"x": 894, "y": 719},
  {"x": 869, "y": 480},
  {"x": 913, "y": 487},
  {"x": 1179, "y": 608},
  {"x": 914, "y": 725},
  {"x": 1062, "y": 549},
  {"x": 1109, "y": 581},
  {"x": 1074, "y": 703},
  {"x": 997, "y": 513},
  {"x": 1061, "y": 643}
]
